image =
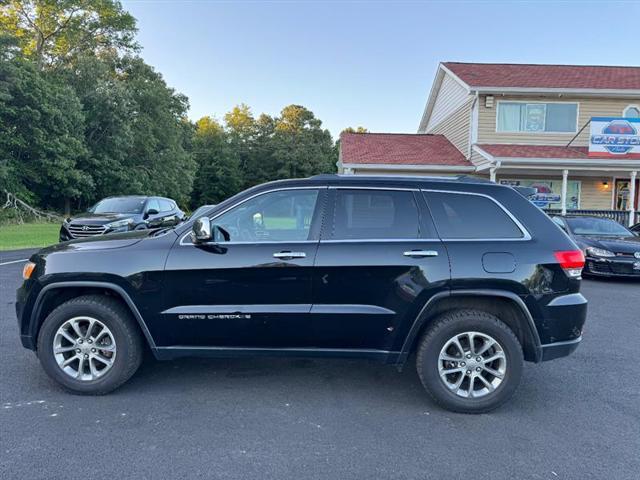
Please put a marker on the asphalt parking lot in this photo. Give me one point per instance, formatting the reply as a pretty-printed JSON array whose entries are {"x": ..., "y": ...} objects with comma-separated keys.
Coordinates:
[{"x": 577, "y": 417}]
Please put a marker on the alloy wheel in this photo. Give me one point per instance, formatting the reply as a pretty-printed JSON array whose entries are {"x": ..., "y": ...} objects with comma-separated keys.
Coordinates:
[
  {"x": 472, "y": 364},
  {"x": 84, "y": 348}
]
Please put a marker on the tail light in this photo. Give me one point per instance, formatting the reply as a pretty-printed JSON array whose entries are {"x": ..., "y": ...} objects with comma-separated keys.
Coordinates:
[{"x": 571, "y": 261}]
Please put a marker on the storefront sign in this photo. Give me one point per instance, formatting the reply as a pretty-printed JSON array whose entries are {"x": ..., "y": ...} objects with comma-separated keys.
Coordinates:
[
  {"x": 548, "y": 192},
  {"x": 614, "y": 137}
]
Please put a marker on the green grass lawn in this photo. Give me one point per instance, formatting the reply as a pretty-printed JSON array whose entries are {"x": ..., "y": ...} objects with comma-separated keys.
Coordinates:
[{"x": 28, "y": 235}]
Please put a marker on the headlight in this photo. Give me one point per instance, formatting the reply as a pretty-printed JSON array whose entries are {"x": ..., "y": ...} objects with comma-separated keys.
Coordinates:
[
  {"x": 120, "y": 223},
  {"x": 599, "y": 252}
]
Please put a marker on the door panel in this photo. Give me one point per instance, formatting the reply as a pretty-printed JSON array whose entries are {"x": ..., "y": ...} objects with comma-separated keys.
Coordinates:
[
  {"x": 370, "y": 283},
  {"x": 237, "y": 295},
  {"x": 254, "y": 290},
  {"x": 367, "y": 294}
]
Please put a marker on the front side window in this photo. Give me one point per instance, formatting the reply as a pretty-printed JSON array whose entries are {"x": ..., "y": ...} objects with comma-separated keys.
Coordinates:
[
  {"x": 279, "y": 216},
  {"x": 537, "y": 117},
  {"x": 460, "y": 217},
  {"x": 153, "y": 204},
  {"x": 165, "y": 205},
  {"x": 374, "y": 214}
]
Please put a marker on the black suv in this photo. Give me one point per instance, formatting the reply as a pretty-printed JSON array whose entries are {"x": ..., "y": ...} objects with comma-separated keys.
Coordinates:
[
  {"x": 121, "y": 214},
  {"x": 467, "y": 274}
]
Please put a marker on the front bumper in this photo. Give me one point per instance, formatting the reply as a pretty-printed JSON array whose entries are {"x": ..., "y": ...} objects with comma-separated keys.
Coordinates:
[
  {"x": 555, "y": 350},
  {"x": 23, "y": 305},
  {"x": 614, "y": 266}
]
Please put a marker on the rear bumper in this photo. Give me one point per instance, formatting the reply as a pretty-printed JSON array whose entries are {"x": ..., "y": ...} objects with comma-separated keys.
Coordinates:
[
  {"x": 560, "y": 325},
  {"x": 555, "y": 350}
]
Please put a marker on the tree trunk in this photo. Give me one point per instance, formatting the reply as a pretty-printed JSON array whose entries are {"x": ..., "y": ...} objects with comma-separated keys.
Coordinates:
[
  {"x": 40, "y": 51},
  {"x": 67, "y": 207}
]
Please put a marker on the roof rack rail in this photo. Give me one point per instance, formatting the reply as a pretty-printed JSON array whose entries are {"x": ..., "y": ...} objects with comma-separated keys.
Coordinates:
[{"x": 447, "y": 178}]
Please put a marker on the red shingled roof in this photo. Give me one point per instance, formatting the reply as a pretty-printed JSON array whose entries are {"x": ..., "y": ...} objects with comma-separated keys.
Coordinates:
[
  {"x": 546, "y": 76},
  {"x": 541, "y": 151},
  {"x": 400, "y": 149}
]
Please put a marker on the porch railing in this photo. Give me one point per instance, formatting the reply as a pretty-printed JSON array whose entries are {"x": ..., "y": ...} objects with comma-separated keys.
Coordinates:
[{"x": 620, "y": 216}]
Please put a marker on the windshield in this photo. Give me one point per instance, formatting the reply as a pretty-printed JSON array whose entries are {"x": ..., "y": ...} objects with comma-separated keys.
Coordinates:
[
  {"x": 597, "y": 226},
  {"x": 119, "y": 205}
]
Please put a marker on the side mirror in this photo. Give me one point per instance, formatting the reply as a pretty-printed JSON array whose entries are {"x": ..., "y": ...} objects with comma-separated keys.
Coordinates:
[
  {"x": 201, "y": 231},
  {"x": 151, "y": 211}
]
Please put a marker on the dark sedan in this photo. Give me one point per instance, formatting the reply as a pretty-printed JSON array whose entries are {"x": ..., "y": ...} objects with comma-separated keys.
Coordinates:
[
  {"x": 122, "y": 214},
  {"x": 610, "y": 249}
]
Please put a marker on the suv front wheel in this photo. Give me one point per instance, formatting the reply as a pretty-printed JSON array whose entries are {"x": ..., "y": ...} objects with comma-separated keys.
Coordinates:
[
  {"x": 90, "y": 345},
  {"x": 470, "y": 361}
]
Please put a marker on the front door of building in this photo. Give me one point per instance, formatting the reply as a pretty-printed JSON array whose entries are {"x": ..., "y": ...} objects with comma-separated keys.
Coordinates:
[{"x": 622, "y": 194}]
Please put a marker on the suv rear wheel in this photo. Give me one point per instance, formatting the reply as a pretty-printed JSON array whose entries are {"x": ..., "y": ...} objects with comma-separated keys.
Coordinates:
[
  {"x": 470, "y": 361},
  {"x": 90, "y": 345}
]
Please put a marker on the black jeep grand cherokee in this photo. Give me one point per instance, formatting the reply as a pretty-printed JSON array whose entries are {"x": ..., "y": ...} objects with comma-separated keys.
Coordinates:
[{"x": 467, "y": 274}]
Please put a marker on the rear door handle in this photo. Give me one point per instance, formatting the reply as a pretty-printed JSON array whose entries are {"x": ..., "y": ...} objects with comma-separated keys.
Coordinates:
[
  {"x": 421, "y": 253},
  {"x": 289, "y": 255}
]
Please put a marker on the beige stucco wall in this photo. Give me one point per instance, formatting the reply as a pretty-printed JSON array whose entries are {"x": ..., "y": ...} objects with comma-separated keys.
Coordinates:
[{"x": 587, "y": 108}]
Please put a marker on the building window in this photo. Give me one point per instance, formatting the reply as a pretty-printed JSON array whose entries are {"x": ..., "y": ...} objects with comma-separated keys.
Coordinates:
[
  {"x": 632, "y": 111},
  {"x": 549, "y": 192},
  {"x": 537, "y": 117}
]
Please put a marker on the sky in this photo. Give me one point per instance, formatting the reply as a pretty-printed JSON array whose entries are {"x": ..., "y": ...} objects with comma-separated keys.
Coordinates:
[{"x": 363, "y": 63}]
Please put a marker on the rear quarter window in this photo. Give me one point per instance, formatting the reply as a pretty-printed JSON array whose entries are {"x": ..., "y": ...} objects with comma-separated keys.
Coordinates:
[{"x": 470, "y": 217}]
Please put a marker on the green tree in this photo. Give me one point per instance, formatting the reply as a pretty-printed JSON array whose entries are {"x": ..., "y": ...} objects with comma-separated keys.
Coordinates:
[
  {"x": 159, "y": 156},
  {"x": 41, "y": 144},
  {"x": 355, "y": 130},
  {"x": 219, "y": 175},
  {"x": 301, "y": 146},
  {"x": 55, "y": 32},
  {"x": 136, "y": 132}
]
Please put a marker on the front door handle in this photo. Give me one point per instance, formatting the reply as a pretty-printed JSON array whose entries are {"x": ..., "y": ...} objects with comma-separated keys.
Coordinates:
[
  {"x": 421, "y": 253},
  {"x": 289, "y": 255}
]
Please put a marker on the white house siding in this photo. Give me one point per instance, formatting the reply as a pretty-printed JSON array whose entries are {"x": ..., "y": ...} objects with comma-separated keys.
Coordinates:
[
  {"x": 456, "y": 127},
  {"x": 451, "y": 96},
  {"x": 587, "y": 108}
]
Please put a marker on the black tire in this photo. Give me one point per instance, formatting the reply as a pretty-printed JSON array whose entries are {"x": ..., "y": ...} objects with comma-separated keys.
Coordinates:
[
  {"x": 126, "y": 333},
  {"x": 446, "y": 327}
]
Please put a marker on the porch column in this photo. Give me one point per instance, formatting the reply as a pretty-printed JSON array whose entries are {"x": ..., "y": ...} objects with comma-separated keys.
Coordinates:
[
  {"x": 492, "y": 174},
  {"x": 565, "y": 176},
  {"x": 632, "y": 197}
]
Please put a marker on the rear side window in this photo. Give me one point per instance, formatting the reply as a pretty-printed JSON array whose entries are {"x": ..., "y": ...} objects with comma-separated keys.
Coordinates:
[
  {"x": 375, "y": 214},
  {"x": 461, "y": 216}
]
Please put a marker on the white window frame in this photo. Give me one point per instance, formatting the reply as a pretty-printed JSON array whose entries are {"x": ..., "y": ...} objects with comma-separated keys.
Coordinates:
[
  {"x": 628, "y": 107},
  {"x": 525, "y": 132}
]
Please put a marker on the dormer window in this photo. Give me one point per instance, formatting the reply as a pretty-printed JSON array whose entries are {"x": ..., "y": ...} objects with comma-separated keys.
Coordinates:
[
  {"x": 632, "y": 111},
  {"x": 537, "y": 117}
]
